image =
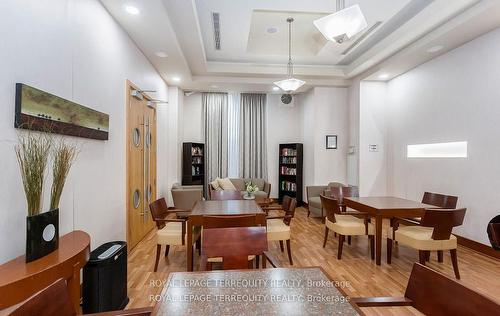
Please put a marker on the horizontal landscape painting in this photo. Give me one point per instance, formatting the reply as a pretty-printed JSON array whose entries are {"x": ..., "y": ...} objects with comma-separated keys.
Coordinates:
[{"x": 41, "y": 111}]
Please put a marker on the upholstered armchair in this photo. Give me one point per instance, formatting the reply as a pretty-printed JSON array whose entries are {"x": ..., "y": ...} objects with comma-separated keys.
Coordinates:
[
  {"x": 185, "y": 196},
  {"x": 313, "y": 198}
]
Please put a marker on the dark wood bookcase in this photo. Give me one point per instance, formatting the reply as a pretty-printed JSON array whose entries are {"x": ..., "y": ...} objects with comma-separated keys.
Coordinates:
[
  {"x": 290, "y": 171},
  {"x": 193, "y": 164}
]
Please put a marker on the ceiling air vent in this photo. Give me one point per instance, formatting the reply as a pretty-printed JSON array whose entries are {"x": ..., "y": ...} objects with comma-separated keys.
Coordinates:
[
  {"x": 362, "y": 37},
  {"x": 216, "y": 28}
]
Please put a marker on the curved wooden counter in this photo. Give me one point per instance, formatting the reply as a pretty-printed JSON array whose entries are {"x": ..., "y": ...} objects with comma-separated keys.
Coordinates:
[{"x": 19, "y": 280}]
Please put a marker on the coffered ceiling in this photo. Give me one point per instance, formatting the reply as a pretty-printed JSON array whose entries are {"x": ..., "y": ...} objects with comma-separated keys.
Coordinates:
[{"x": 248, "y": 50}]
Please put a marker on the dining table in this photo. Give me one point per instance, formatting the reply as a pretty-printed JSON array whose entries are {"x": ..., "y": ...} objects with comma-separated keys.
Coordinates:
[
  {"x": 218, "y": 208},
  {"x": 281, "y": 291},
  {"x": 232, "y": 243},
  {"x": 385, "y": 207}
]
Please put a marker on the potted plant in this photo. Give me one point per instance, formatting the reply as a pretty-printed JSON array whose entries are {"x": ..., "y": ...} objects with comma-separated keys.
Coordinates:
[
  {"x": 33, "y": 152},
  {"x": 250, "y": 190}
]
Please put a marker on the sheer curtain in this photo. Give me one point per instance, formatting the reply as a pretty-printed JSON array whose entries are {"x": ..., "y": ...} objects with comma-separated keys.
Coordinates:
[
  {"x": 252, "y": 136},
  {"x": 233, "y": 118},
  {"x": 215, "y": 127}
]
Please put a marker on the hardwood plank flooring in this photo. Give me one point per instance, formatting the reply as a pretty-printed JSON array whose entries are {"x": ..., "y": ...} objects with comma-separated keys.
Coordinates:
[{"x": 363, "y": 276}]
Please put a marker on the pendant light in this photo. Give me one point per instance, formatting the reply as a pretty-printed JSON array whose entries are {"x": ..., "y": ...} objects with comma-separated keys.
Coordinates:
[
  {"x": 343, "y": 24},
  {"x": 290, "y": 84}
]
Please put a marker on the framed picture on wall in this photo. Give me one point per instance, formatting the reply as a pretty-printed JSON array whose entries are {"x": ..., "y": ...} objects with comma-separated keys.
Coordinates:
[{"x": 331, "y": 141}]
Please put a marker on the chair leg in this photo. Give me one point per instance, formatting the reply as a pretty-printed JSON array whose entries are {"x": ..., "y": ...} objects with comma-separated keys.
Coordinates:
[
  {"x": 257, "y": 259},
  {"x": 427, "y": 255},
  {"x": 335, "y": 234},
  {"x": 454, "y": 261},
  {"x": 198, "y": 246},
  {"x": 281, "y": 246},
  {"x": 372, "y": 246},
  {"x": 341, "y": 243},
  {"x": 349, "y": 240},
  {"x": 389, "y": 250},
  {"x": 166, "y": 250},
  {"x": 289, "y": 250},
  {"x": 326, "y": 236},
  {"x": 158, "y": 251},
  {"x": 422, "y": 256},
  {"x": 308, "y": 212},
  {"x": 440, "y": 255}
]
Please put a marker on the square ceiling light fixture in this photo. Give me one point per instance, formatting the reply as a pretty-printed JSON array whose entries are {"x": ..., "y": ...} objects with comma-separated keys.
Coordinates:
[{"x": 342, "y": 25}]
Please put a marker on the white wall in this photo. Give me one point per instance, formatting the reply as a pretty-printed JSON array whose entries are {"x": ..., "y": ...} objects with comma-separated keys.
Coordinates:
[
  {"x": 325, "y": 111},
  {"x": 76, "y": 50},
  {"x": 373, "y": 112},
  {"x": 454, "y": 97},
  {"x": 284, "y": 125},
  {"x": 193, "y": 119}
]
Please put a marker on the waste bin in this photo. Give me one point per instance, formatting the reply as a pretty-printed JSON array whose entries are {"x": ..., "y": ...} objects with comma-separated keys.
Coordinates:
[{"x": 105, "y": 278}]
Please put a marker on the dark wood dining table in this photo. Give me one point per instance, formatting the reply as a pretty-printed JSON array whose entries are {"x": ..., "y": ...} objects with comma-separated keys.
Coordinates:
[
  {"x": 385, "y": 207},
  {"x": 218, "y": 208},
  {"x": 282, "y": 291},
  {"x": 234, "y": 241}
]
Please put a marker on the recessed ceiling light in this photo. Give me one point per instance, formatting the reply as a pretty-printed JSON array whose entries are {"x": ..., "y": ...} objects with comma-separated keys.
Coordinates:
[
  {"x": 276, "y": 88},
  {"x": 132, "y": 10},
  {"x": 176, "y": 79},
  {"x": 383, "y": 76},
  {"x": 435, "y": 49},
  {"x": 161, "y": 54},
  {"x": 272, "y": 30}
]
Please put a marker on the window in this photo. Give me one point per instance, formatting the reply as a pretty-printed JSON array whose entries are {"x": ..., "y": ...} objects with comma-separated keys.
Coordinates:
[{"x": 438, "y": 150}]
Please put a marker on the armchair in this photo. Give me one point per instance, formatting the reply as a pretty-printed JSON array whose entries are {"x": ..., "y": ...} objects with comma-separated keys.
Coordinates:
[
  {"x": 313, "y": 198},
  {"x": 186, "y": 196}
]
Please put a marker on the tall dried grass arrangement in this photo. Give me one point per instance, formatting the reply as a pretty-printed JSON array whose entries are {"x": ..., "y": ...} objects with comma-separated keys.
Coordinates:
[
  {"x": 33, "y": 151},
  {"x": 64, "y": 156}
]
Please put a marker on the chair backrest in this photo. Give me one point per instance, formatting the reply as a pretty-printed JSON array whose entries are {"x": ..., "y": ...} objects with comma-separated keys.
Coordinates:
[
  {"x": 435, "y": 294},
  {"x": 227, "y": 221},
  {"x": 289, "y": 204},
  {"x": 225, "y": 195},
  {"x": 185, "y": 199},
  {"x": 159, "y": 210},
  {"x": 331, "y": 206},
  {"x": 443, "y": 221},
  {"x": 493, "y": 231},
  {"x": 340, "y": 192},
  {"x": 440, "y": 200},
  {"x": 53, "y": 300},
  {"x": 335, "y": 184}
]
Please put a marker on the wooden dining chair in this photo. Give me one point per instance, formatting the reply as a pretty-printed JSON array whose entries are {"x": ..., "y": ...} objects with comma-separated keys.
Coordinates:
[
  {"x": 278, "y": 227},
  {"x": 433, "y": 233},
  {"x": 171, "y": 231},
  {"x": 346, "y": 224},
  {"x": 435, "y": 294},
  {"x": 435, "y": 199},
  {"x": 224, "y": 195},
  {"x": 339, "y": 193},
  {"x": 228, "y": 221},
  {"x": 55, "y": 300}
]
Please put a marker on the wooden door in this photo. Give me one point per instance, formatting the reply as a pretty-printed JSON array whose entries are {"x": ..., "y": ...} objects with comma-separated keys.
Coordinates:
[{"x": 141, "y": 164}]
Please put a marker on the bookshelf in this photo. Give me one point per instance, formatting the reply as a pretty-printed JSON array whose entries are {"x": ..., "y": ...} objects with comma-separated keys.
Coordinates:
[
  {"x": 290, "y": 171},
  {"x": 193, "y": 164}
]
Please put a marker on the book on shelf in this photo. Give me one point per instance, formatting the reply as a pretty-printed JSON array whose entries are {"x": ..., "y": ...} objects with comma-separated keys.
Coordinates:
[
  {"x": 288, "y": 152},
  {"x": 196, "y": 151},
  {"x": 288, "y": 171},
  {"x": 289, "y": 160},
  {"x": 288, "y": 186}
]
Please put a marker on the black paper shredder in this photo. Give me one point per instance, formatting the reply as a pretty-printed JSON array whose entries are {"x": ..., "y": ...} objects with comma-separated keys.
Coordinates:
[{"x": 105, "y": 278}]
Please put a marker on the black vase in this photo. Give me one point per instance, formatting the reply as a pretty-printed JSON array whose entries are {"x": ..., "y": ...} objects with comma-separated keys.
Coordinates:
[{"x": 42, "y": 234}]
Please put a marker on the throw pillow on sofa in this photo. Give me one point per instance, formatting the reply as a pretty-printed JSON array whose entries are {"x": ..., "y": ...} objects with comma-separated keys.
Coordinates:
[
  {"x": 215, "y": 184},
  {"x": 226, "y": 184}
]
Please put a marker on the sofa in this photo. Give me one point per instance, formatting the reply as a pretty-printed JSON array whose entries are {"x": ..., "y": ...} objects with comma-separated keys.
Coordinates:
[
  {"x": 314, "y": 201},
  {"x": 239, "y": 184}
]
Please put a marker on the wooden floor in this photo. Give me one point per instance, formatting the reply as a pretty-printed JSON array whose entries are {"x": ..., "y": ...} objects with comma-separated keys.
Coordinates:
[{"x": 479, "y": 272}]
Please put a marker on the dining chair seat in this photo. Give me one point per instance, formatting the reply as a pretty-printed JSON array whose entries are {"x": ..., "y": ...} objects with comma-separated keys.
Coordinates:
[
  {"x": 219, "y": 259},
  {"x": 171, "y": 234},
  {"x": 277, "y": 230},
  {"x": 349, "y": 225},
  {"x": 420, "y": 238}
]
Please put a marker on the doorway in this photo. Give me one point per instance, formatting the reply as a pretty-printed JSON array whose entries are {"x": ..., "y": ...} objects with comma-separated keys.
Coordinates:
[{"x": 141, "y": 163}]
